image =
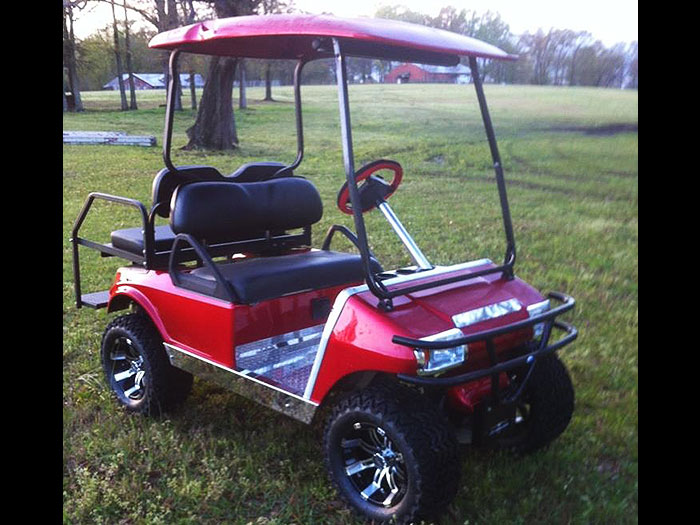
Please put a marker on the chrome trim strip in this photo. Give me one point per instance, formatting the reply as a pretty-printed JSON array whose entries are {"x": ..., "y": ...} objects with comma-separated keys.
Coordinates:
[
  {"x": 437, "y": 270},
  {"x": 538, "y": 308},
  {"x": 447, "y": 335},
  {"x": 338, "y": 306},
  {"x": 491, "y": 311},
  {"x": 245, "y": 385},
  {"x": 345, "y": 294}
]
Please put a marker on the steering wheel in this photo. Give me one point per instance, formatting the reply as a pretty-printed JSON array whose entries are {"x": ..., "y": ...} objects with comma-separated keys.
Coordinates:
[{"x": 363, "y": 174}]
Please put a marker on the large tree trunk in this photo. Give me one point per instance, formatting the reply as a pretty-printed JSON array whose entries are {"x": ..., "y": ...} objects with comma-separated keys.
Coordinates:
[{"x": 215, "y": 127}]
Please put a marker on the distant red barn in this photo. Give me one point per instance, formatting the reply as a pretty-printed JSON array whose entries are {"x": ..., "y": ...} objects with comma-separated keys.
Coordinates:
[{"x": 424, "y": 73}]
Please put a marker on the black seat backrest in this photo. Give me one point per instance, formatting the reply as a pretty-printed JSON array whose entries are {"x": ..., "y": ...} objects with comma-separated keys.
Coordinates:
[
  {"x": 256, "y": 171},
  {"x": 166, "y": 182},
  {"x": 217, "y": 211}
]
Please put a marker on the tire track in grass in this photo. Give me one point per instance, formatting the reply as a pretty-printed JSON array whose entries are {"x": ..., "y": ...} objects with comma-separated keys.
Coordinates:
[
  {"x": 531, "y": 168},
  {"x": 570, "y": 157},
  {"x": 569, "y": 192}
]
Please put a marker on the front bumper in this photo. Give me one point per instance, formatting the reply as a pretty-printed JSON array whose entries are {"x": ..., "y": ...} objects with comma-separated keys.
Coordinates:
[{"x": 540, "y": 349}]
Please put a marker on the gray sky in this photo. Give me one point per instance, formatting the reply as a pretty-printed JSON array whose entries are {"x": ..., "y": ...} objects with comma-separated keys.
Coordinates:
[{"x": 610, "y": 21}]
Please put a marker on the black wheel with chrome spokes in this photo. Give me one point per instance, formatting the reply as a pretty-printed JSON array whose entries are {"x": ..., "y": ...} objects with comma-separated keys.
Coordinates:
[
  {"x": 391, "y": 454},
  {"x": 137, "y": 368},
  {"x": 374, "y": 465},
  {"x": 127, "y": 370}
]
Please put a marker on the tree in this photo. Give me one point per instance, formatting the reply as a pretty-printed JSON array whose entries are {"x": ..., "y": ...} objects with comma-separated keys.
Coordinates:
[
  {"x": 70, "y": 63},
  {"x": 583, "y": 38},
  {"x": 164, "y": 16},
  {"x": 190, "y": 17},
  {"x": 632, "y": 66},
  {"x": 488, "y": 27},
  {"x": 400, "y": 12},
  {"x": 129, "y": 64},
  {"x": 215, "y": 126},
  {"x": 118, "y": 59},
  {"x": 242, "y": 99},
  {"x": 269, "y": 7}
]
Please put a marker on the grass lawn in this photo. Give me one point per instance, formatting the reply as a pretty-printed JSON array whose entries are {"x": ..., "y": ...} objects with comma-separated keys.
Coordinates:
[{"x": 570, "y": 160}]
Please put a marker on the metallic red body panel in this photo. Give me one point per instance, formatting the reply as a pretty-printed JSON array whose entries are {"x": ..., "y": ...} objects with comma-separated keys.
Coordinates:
[
  {"x": 194, "y": 322},
  {"x": 465, "y": 398},
  {"x": 361, "y": 339},
  {"x": 210, "y": 327},
  {"x": 291, "y": 37},
  {"x": 279, "y": 316}
]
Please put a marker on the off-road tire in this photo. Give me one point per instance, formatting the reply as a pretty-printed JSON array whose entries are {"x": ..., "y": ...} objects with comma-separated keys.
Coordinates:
[
  {"x": 161, "y": 386},
  {"x": 418, "y": 430},
  {"x": 549, "y": 396}
]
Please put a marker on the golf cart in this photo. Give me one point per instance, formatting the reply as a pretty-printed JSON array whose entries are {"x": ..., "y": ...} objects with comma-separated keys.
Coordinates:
[{"x": 402, "y": 364}]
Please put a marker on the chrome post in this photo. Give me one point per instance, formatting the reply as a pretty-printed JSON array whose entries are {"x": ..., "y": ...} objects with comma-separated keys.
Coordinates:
[{"x": 406, "y": 239}]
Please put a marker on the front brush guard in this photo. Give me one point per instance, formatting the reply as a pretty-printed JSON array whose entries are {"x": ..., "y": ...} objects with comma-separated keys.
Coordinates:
[{"x": 530, "y": 358}]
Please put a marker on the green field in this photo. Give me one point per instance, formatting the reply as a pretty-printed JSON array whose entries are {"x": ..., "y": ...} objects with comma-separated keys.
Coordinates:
[{"x": 570, "y": 159}]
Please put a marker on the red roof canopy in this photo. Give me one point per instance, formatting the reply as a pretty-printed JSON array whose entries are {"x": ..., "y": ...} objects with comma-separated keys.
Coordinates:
[{"x": 293, "y": 36}]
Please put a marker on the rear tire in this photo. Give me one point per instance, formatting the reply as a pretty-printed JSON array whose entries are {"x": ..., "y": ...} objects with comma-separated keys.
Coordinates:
[
  {"x": 391, "y": 454},
  {"x": 137, "y": 368}
]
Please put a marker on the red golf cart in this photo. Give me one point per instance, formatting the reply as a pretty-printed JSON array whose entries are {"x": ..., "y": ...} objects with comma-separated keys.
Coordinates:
[{"x": 405, "y": 362}]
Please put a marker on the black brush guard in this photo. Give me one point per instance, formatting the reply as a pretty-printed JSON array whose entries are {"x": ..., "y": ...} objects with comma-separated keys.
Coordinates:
[{"x": 538, "y": 350}]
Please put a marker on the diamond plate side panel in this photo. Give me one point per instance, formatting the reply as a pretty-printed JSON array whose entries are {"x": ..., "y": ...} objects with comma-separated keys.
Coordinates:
[{"x": 286, "y": 359}]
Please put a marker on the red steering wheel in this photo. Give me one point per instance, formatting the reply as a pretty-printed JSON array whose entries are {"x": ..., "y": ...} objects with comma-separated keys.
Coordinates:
[{"x": 364, "y": 173}]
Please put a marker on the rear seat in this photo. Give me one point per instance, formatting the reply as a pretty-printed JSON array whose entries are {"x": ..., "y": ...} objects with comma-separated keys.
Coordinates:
[
  {"x": 164, "y": 185},
  {"x": 213, "y": 211},
  {"x": 131, "y": 239}
]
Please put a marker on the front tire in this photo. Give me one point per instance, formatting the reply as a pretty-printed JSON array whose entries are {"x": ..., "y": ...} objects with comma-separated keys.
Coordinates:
[
  {"x": 137, "y": 368},
  {"x": 544, "y": 411},
  {"x": 391, "y": 455}
]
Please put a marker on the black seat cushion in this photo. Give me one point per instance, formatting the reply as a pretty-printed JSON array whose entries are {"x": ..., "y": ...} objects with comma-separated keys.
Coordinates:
[
  {"x": 264, "y": 278},
  {"x": 131, "y": 239}
]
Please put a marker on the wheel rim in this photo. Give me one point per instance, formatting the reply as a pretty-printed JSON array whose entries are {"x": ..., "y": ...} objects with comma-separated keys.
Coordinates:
[
  {"x": 373, "y": 464},
  {"x": 128, "y": 373}
]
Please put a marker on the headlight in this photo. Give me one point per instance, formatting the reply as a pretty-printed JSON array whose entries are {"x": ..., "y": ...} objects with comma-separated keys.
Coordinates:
[
  {"x": 537, "y": 309},
  {"x": 433, "y": 361}
]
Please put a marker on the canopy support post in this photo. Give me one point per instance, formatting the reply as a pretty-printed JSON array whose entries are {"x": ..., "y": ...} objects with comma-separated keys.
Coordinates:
[
  {"x": 349, "y": 162},
  {"x": 297, "y": 113},
  {"x": 170, "y": 110},
  {"x": 509, "y": 260}
]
